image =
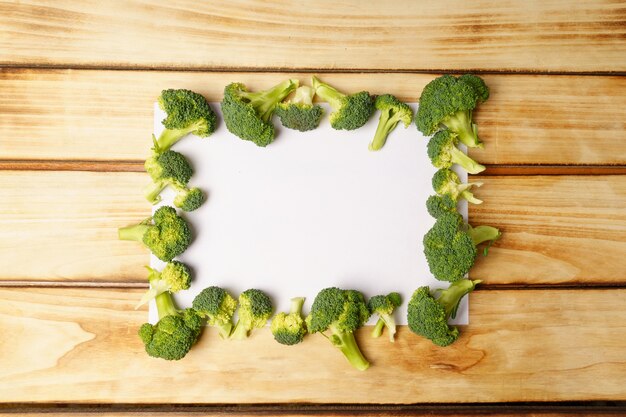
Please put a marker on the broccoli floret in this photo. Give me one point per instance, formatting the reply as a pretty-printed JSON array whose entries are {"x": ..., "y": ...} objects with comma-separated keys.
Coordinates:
[
  {"x": 166, "y": 234},
  {"x": 188, "y": 199},
  {"x": 440, "y": 204},
  {"x": 448, "y": 102},
  {"x": 218, "y": 307},
  {"x": 450, "y": 246},
  {"x": 248, "y": 114},
  {"x": 255, "y": 309},
  {"x": 446, "y": 182},
  {"x": 350, "y": 111},
  {"x": 384, "y": 305},
  {"x": 341, "y": 312},
  {"x": 174, "y": 278},
  {"x": 176, "y": 331},
  {"x": 187, "y": 112},
  {"x": 289, "y": 328},
  {"x": 300, "y": 113},
  {"x": 392, "y": 112},
  {"x": 428, "y": 313},
  {"x": 443, "y": 152}
]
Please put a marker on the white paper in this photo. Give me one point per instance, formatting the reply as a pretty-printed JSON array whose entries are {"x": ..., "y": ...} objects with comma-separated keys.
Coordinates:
[{"x": 309, "y": 211}]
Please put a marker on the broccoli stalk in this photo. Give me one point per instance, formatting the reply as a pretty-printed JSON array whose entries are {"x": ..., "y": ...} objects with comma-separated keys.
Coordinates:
[
  {"x": 443, "y": 153},
  {"x": 384, "y": 305},
  {"x": 428, "y": 312},
  {"x": 392, "y": 112},
  {"x": 174, "y": 334},
  {"x": 289, "y": 329},
  {"x": 218, "y": 307},
  {"x": 174, "y": 278},
  {"x": 255, "y": 308},
  {"x": 341, "y": 312},
  {"x": 187, "y": 113},
  {"x": 166, "y": 234},
  {"x": 349, "y": 111}
]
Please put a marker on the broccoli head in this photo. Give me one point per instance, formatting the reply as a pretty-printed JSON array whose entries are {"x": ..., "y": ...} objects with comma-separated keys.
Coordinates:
[
  {"x": 188, "y": 199},
  {"x": 166, "y": 234},
  {"x": 440, "y": 204},
  {"x": 392, "y": 112},
  {"x": 218, "y": 307},
  {"x": 443, "y": 152},
  {"x": 383, "y": 306},
  {"x": 341, "y": 312},
  {"x": 428, "y": 313},
  {"x": 446, "y": 182},
  {"x": 175, "y": 332},
  {"x": 448, "y": 102},
  {"x": 248, "y": 114},
  {"x": 289, "y": 328},
  {"x": 255, "y": 309},
  {"x": 187, "y": 113},
  {"x": 300, "y": 113},
  {"x": 175, "y": 277},
  {"x": 450, "y": 246},
  {"x": 349, "y": 111}
]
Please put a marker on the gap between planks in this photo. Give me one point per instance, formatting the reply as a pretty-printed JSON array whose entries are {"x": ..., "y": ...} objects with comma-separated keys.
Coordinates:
[{"x": 137, "y": 166}]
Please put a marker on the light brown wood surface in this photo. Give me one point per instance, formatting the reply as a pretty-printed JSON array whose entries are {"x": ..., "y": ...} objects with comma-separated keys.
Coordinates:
[
  {"x": 340, "y": 411},
  {"x": 80, "y": 345},
  {"x": 70, "y": 220},
  {"x": 553, "y": 35},
  {"x": 107, "y": 115}
]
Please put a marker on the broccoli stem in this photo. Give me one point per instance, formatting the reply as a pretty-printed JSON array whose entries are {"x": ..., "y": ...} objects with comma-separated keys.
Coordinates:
[
  {"x": 164, "y": 301},
  {"x": 482, "y": 234},
  {"x": 377, "y": 331},
  {"x": 239, "y": 332},
  {"x": 153, "y": 191},
  {"x": 296, "y": 305},
  {"x": 470, "y": 197},
  {"x": 224, "y": 330},
  {"x": 348, "y": 346},
  {"x": 385, "y": 125},
  {"x": 459, "y": 158},
  {"x": 135, "y": 232},
  {"x": 169, "y": 137},
  {"x": 461, "y": 124},
  {"x": 265, "y": 101},
  {"x": 327, "y": 93},
  {"x": 451, "y": 297}
]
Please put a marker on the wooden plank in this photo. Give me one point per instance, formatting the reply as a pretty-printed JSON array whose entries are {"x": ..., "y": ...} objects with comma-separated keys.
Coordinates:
[
  {"x": 62, "y": 226},
  {"x": 557, "y": 229},
  {"x": 107, "y": 115},
  {"x": 553, "y": 35},
  {"x": 553, "y": 232},
  {"x": 80, "y": 345}
]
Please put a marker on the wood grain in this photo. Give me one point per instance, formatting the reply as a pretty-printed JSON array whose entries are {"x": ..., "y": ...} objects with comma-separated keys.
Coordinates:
[
  {"x": 557, "y": 229},
  {"x": 107, "y": 115},
  {"x": 554, "y": 35},
  {"x": 80, "y": 345},
  {"x": 63, "y": 226},
  {"x": 554, "y": 228}
]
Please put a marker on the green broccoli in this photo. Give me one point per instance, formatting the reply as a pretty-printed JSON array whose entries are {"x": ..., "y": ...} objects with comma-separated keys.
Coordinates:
[
  {"x": 171, "y": 168},
  {"x": 448, "y": 102},
  {"x": 187, "y": 112},
  {"x": 350, "y": 111},
  {"x": 384, "y": 305},
  {"x": 450, "y": 246},
  {"x": 289, "y": 328},
  {"x": 176, "y": 331},
  {"x": 392, "y": 112},
  {"x": 443, "y": 152},
  {"x": 166, "y": 234},
  {"x": 440, "y": 204},
  {"x": 255, "y": 309},
  {"x": 428, "y": 312},
  {"x": 248, "y": 115},
  {"x": 218, "y": 307},
  {"x": 446, "y": 182},
  {"x": 341, "y": 312},
  {"x": 300, "y": 113},
  {"x": 175, "y": 277}
]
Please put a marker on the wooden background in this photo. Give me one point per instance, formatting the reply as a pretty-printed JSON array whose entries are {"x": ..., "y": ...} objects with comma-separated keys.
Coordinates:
[{"x": 548, "y": 326}]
